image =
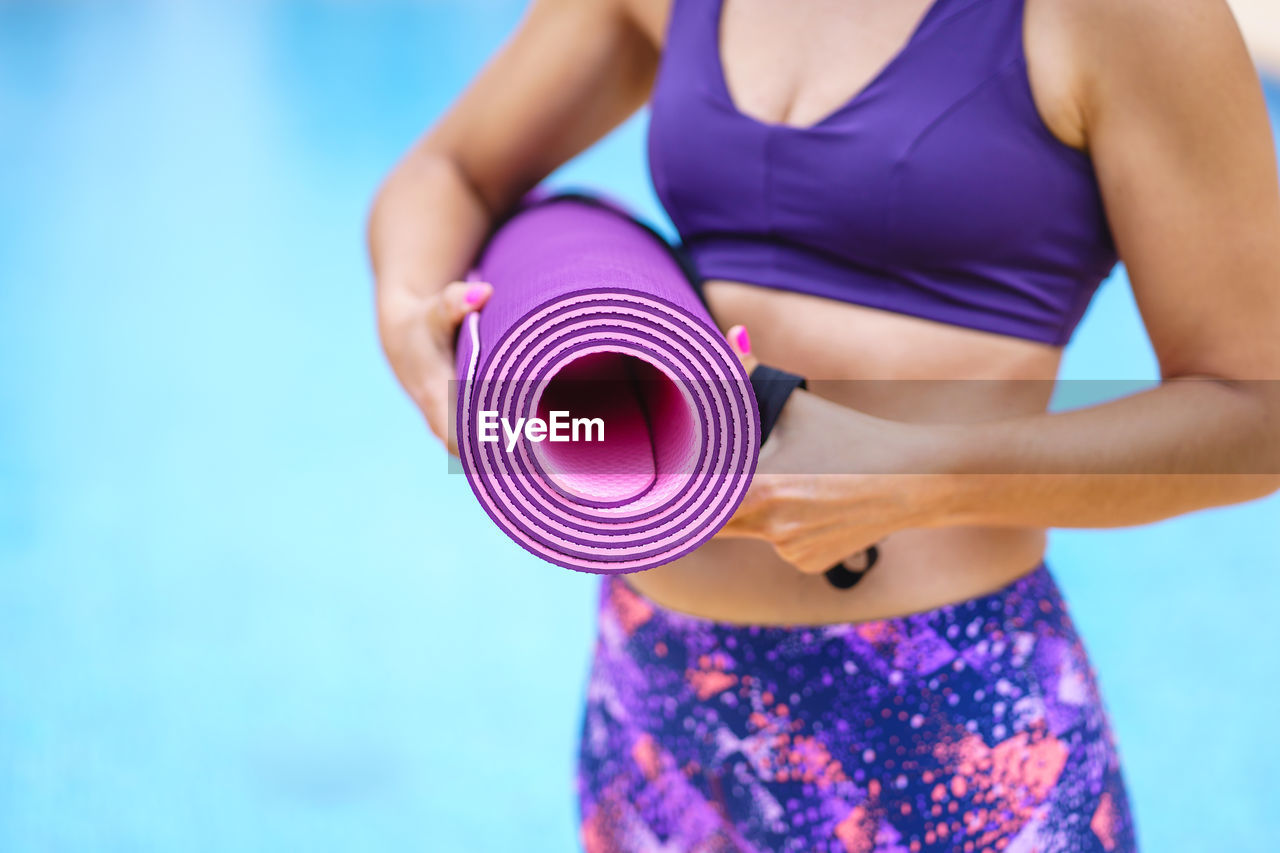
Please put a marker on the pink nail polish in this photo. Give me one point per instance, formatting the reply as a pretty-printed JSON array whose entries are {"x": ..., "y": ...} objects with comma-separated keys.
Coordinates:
[
  {"x": 474, "y": 294},
  {"x": 744, "y": 341}
]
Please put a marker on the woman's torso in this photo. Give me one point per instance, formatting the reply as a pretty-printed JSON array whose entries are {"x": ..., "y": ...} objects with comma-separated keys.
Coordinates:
[{"x": 794, "y": 64}]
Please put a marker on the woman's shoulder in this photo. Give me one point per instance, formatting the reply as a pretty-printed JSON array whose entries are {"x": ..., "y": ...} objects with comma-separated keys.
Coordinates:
[
  {"x": 1147, "y": 34},
  {"x": 1084, "y": 54}
]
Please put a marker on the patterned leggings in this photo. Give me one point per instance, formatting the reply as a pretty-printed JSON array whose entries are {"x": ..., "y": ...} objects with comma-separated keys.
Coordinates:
[{"x": 974, "y": 727}]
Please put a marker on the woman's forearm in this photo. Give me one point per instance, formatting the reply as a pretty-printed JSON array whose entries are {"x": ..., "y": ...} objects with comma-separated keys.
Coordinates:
[
  {"x": 425, "y": 227},
  {"x": 832, "y": 480},
  {"x": 1184, "y": 446}
]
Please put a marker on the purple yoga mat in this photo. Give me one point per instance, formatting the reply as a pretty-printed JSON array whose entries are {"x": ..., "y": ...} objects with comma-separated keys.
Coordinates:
[{"x": 592, "y": 315}]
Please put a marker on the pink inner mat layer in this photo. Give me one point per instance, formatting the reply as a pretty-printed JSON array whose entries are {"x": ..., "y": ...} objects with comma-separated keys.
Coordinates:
[{"x": 591, "y": 316}]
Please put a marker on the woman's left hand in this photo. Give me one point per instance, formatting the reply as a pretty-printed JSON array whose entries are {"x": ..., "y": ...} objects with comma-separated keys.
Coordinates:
[{"x": 831, "y": 481}]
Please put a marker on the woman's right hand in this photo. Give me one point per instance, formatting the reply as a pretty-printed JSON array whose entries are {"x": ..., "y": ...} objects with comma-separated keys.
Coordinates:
[{"x": 418, "y": 335}]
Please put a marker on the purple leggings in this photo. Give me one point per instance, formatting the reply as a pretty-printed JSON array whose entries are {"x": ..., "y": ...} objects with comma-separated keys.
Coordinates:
[{"x": 973, "y": 727}]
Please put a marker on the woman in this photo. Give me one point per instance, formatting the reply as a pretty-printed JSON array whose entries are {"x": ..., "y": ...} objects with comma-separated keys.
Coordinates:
[{"x": 907, "y": 191}]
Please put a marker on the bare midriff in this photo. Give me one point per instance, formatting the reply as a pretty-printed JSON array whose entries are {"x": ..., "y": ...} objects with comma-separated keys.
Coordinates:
[{"x": 835, "y": 344}]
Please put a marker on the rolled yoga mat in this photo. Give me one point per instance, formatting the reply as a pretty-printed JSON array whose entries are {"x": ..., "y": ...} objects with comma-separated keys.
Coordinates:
[{"x": 592, "y": 314}]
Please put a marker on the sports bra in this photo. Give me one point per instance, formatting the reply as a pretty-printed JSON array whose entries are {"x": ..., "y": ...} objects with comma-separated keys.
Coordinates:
[{"x": 935, "y": 191}]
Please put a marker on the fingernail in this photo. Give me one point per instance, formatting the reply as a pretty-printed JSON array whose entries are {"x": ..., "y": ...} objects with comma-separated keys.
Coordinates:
[
  {"x": 475, "y": 293},
  {"x": 742, "y": 340}
]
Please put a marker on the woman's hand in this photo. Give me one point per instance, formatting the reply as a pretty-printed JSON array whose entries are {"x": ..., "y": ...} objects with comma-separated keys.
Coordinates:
[
  {"x": 831, "y": 481},
  {"x": 417, "y": 335}
]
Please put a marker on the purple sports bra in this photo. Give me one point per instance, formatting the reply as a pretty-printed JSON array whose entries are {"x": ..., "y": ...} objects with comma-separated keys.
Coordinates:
[{"x": 936, "y": 191}]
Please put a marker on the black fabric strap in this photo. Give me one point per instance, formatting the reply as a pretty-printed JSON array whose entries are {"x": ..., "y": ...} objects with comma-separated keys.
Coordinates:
[
  {"x": 841, "y": 576},
  {"x": 773, "y": 387}
]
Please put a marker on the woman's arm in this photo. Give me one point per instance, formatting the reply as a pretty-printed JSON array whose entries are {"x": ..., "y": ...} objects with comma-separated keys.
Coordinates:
[
  {"x": 573, "y": 71},
  {"x": 1176, "y": 124},
  {"x": 1177, "y": 128}
]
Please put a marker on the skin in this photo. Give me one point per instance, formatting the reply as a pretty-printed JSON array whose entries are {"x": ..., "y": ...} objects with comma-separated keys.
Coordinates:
[{"x": 1162, "y": 96}]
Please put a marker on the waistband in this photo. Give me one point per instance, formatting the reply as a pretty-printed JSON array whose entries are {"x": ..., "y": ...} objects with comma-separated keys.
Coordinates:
[{"x": 1029, "y": 607}]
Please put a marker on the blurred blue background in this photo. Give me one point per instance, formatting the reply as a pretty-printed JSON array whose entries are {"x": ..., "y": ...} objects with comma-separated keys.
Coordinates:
[{"x": 242, "y": 605}]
